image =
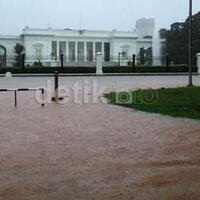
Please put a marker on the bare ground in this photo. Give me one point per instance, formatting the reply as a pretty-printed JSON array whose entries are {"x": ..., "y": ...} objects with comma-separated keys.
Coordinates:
[{"x": 101, "y": 152}]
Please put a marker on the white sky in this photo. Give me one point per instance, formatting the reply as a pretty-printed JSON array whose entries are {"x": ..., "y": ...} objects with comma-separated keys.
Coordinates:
[{"x": 89, "y": 14}]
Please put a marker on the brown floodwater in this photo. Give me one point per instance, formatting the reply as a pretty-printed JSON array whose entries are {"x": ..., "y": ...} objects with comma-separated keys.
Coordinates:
[{"x": 95, "y": 151}]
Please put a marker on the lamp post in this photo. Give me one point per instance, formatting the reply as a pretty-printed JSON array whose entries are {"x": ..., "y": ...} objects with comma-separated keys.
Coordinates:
[{"x": 190, "y": 44}]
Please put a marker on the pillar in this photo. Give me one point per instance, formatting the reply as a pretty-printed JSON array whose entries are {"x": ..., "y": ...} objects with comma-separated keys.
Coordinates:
[
  {"x": 133, "y": 61},
  {"x": 76, "y": 51},
  {"x": 67, "y": 51},
  {"x": 198, "y": 62},
  {"x": 99, "y": 63},
  {"x": 94, "y": 52},
  {"x": 85, "y": 51},
  {"x": 103, "y": 51},
  {"x": 58, "y": 51}
]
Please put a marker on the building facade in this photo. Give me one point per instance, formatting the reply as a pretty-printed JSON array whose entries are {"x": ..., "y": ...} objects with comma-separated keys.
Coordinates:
[{"x": 79, "y": 47}]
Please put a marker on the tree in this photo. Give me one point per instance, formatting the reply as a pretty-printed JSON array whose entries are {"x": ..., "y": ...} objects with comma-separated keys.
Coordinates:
[
  {"x": 18, "y": 50},
  {"x": 163, "y": 33},
  {"x": 38, "y": 64},
  {"x": 177, "y": 40}
]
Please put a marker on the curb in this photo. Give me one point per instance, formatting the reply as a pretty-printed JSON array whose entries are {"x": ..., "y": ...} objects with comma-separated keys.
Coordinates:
[{"x": 103, "y": 75}]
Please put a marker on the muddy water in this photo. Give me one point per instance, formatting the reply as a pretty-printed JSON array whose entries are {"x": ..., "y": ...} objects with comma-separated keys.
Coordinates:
[{"x": 95, "y": 151}]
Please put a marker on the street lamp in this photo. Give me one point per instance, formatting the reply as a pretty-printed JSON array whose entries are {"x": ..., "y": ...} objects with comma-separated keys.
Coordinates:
[{"x": 190, "y": 44}]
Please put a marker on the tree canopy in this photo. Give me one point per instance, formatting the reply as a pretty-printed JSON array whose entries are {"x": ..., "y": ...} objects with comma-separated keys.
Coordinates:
[
  {"x": 177, "y": 40},
  {"x": 18, "y": 50}
]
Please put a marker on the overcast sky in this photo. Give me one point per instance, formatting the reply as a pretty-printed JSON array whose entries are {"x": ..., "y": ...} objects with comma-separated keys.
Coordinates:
[{"x": 89, "y": 14}]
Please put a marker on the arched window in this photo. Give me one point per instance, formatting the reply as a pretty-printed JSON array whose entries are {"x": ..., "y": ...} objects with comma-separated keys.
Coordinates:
[
  {"x": 38, "y": 50},
  {"x": 2, "y": 56},
  {"x": 125, "y": 51}
]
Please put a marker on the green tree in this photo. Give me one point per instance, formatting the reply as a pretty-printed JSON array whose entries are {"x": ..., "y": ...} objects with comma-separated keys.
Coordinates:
[
  {"x": 177, "y": 40},
  {"x": 38, "y": 64},
  {"x": 18, "y": 50},
  {"x": 163, "y": 33}
]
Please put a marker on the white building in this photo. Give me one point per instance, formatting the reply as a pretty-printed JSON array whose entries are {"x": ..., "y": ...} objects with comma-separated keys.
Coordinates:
[
  {"x": 79, "y": 47},
  {"x": 145, "y": 27}
]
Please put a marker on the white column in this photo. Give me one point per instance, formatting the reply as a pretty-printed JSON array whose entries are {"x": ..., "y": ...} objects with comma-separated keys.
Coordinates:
[
  {"x": 198, "y": 62},
  {"x": 67, "y": 51},
  {"x": 76, "y": 51},
  {"x": 85, "y": 51},
  {"x": 94, "y": 52},
  {"x": 99, "y": 63},
  {"x": 102, "y": 51},
  {"x": 111, "y": 52},
  {"x": 58, "y": 51}
]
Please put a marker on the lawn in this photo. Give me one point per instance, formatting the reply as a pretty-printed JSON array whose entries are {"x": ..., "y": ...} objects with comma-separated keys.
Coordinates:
[{"x": 176, "y": 102}]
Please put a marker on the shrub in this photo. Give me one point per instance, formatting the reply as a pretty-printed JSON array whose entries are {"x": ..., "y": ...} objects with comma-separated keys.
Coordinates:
[{"x": 37, "y": 64}]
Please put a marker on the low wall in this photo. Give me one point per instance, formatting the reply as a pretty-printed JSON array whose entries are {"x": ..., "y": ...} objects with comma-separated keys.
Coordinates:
[{"x": 136, "y": 69}]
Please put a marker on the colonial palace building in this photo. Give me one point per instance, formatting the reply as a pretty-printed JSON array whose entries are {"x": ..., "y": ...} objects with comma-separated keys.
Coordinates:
[{"x": 79, "y": 47}]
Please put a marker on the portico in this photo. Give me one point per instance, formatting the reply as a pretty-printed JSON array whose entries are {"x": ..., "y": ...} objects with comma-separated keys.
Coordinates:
[{"x": 79, "y": 51}]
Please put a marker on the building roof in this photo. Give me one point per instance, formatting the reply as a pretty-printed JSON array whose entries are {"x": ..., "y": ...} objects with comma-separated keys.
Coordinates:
[
  {"x": 77, "y": 33},
  {"x": 9, "y": 37}
]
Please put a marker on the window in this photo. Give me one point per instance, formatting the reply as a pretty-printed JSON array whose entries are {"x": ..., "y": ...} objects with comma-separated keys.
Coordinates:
[
  {"x": 39, "y": 53},
  {"x": 38, "y": 50},
  {"x": 62, "y": 48},
  {"x": 107, "y": 52},
  {"x": 98, "y": 47},
  {"x": 54, "y": 50},
  {"x": 2, "y": 56},
  {"x": 71, "y": 51},
  {"x": 125, "y": 49},
  {"x": 90, "y": 51}
]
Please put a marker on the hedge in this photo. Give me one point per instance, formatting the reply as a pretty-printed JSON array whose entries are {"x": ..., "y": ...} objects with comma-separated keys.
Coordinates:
[
  {"x": 149, "y": 69},
  {"x": 47, "y": 70},
  {"x": 137, "y": 69}
]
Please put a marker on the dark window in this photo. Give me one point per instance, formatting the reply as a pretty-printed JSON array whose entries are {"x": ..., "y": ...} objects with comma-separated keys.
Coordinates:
[{"x": 107, "y": 52}]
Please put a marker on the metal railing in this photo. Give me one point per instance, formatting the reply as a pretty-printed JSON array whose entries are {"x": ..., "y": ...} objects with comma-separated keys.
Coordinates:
[
  {"x": 22, "y": 90},
  {"x": 63, "y": 60}
]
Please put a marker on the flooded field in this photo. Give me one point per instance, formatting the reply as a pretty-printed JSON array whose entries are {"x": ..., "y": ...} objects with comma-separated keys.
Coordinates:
[{"x": 96, "y": 151}]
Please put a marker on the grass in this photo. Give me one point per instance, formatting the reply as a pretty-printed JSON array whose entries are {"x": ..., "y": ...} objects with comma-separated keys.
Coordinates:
[{"x": 176, "y": 102}]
